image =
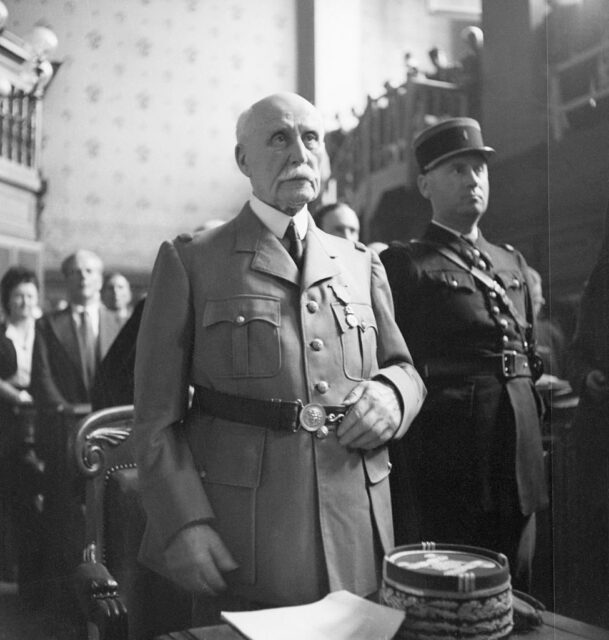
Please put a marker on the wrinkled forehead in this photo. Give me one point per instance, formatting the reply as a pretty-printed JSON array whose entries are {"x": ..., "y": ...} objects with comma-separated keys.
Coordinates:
[{"x": 285, "y": 113}]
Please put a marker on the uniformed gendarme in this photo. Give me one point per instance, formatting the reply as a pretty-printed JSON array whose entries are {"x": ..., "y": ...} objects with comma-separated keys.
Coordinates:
[
  {"x": 263, "y": 484},
  {"x": 473, "y": 459}
]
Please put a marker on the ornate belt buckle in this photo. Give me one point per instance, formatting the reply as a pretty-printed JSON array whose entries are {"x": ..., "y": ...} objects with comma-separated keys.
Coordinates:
[{"x": 312, "y": 417}]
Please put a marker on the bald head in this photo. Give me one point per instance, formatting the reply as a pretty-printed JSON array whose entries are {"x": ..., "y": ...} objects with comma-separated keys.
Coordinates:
[{"x": 280, "y": 149}]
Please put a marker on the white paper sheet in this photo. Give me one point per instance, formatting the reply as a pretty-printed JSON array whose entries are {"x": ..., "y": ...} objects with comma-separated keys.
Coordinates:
[{"x": 339, "y": 616}]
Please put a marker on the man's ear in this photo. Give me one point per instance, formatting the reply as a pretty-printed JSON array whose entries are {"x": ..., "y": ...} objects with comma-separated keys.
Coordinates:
[
  {"x": 241, "y": 160},
  {"x": 423, "y": 185}
]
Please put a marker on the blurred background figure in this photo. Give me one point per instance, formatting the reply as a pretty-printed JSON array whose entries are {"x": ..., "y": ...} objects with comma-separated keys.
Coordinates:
[
  {"x": 442, "y": 70},
  {"x": 338, "y": 219},
  {"x": 20, "y": 468},
  {"x": 471, "y": 68},
  {"x": 550, "y": 336},
  {"x": 588, "y": 370},
  {"x": 116, "y": 295}
]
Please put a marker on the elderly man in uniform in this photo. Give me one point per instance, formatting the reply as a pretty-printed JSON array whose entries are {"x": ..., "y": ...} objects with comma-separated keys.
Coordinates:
[
  {"x": 275, "y": 481},
  {"x": 473, "y": 457}
]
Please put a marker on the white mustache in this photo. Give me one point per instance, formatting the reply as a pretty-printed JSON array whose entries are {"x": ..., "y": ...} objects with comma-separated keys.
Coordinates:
[{"x": 298, "y": 175}]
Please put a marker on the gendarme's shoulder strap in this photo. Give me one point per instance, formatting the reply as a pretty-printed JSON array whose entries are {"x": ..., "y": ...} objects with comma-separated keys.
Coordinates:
[{"x": 484, "y": 278}]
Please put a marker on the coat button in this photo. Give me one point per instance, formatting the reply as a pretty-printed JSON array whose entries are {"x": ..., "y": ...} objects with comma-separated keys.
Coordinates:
[
  {"x": 317, "y": 344},
  {"x": 312, "y": 306},
  {"x": 516, "y": 283},
  {"x": 492, "y": 294},
  {"x": 495, "y": 309},
  {"x": 503, "y": 323},
  {"x": 240, "y": 319},
  {"x": 505, "y": 339},
  {"x": 481, "y": 264},
  {"x": 454, "y": 284},
  {"x": 322, "y": 386}
]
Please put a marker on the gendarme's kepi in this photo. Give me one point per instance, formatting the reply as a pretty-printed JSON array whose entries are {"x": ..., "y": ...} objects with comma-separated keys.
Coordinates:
[{"x": 447, "y": 139}]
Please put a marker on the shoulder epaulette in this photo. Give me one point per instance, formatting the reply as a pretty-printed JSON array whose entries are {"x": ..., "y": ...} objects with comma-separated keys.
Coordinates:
[{"x": 185, "y": 237}]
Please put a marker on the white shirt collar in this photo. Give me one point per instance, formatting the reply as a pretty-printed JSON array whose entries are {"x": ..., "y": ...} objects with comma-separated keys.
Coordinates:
[
  {"x": 277, "y": 221},
  {"x": 472, "y": 237}
]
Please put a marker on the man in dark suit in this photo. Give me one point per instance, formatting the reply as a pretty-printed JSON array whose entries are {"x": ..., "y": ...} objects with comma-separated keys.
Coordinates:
[
  {"x": 473, "y": 457},
  {"x": 249, "y": 489},
  {"x": 68, "y": 346},
  {"x": 71, "y": 342}
]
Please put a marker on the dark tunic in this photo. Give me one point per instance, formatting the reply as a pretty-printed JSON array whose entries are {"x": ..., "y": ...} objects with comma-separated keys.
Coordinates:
[{"x": 473, "y": 460}]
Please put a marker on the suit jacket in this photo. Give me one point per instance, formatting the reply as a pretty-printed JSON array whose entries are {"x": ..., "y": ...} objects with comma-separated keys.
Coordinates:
[
  {"x": 57, "y": 374},
  {"x": 446, "y": 315},
  {"x": 226, "y": 310},
  {"x": 113, "y": 383}
]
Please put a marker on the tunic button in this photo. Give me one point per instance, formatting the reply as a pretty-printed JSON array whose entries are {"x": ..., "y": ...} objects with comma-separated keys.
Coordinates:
[
  {"x": 317, "y": 344},
  {"x": 322, "y": 386},
  {"x": 454, "y": 284},
  {"x": 492, "y": 294},
  {"x": 312, "y": 306},
  {"x": 476, "y": 253},
  {"x": 240, "y": 319},
  {"x": 516, "y": 283},
  {"x": 505, "y": 339},
  {"x": 503, "y": 323},
  {"x": 482, "y": 264},
  {"x": 495, "y": 310}
]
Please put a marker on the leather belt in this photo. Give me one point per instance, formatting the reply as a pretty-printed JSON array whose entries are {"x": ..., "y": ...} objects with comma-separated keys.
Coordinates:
[
  {"x": 505, "y": 365},
  {"x": 274, "y": 414}
]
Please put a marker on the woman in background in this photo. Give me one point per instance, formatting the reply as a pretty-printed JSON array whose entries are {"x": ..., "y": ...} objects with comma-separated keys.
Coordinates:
[
  {"x": 116, "y": 295},
  {"x": 20, "y": 469}
]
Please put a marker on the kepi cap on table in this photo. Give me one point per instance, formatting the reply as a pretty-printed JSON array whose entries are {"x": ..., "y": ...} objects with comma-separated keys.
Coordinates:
[{"x": 447, "y": 139}]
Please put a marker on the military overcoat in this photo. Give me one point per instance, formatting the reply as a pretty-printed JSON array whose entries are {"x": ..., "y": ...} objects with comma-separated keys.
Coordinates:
[{"x": 227, "y": 310}]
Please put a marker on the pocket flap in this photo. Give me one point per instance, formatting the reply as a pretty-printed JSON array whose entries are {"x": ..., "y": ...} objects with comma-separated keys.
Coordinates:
[
  {"x": 377, "y": 464},
  {"x": 232, "y": 454},
  {"x": 240, "y": 310},
  {"x": 362, "y": 313}
]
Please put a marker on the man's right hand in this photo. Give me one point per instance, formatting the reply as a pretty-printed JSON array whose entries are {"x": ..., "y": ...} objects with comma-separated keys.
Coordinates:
[
  {"x": 597, "y": 385},
  {"x": 196, "y": 559}
]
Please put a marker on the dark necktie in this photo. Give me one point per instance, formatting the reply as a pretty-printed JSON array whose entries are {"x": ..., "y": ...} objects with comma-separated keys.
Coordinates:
[
  {"x": 295, "y": 248},
  {"x": 88, "y": 347}
]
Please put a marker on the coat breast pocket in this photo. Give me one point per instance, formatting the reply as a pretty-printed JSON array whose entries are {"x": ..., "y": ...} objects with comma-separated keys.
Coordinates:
[
  {"x": 358, "y": 337},
  {"x": 241, "y": 336}
]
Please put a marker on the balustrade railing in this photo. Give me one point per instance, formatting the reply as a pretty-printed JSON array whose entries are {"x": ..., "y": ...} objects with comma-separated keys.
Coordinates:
[
  {"x": 18, "y": 128},
  {"x": 387, "y": 126}
]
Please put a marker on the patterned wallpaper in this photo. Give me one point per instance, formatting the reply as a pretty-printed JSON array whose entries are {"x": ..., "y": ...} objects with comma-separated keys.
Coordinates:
[{"x": 139, "y": 121}]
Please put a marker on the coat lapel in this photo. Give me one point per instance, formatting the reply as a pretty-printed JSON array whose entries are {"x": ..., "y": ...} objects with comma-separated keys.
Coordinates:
[
  {"x": 65, "y": 330},
  {"x": 270, "y": 256}
]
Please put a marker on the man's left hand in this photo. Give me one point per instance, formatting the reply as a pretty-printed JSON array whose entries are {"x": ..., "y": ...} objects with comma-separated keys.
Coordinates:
[{"x": 373, "y": 417}]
